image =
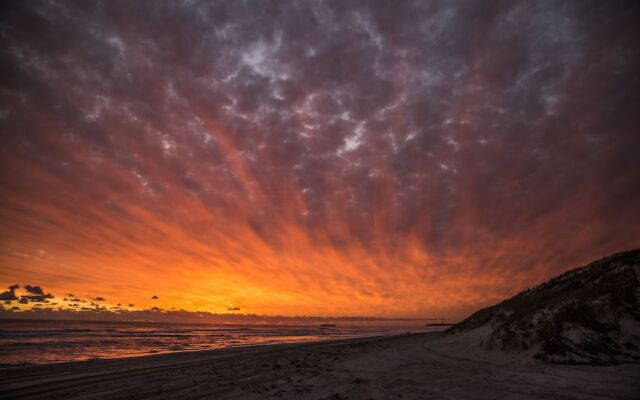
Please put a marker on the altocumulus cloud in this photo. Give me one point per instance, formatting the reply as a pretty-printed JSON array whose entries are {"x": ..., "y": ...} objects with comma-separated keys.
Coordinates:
[{"x": 336, "y": 157}]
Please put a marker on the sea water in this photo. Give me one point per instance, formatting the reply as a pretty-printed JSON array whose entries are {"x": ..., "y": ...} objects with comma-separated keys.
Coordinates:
[{"x": 26, "y": 342}]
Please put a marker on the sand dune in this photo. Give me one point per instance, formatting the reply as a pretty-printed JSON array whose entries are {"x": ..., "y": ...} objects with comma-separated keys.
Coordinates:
[
  {"x": 421, "y": 366},
  {"x": 588, "y": 315}
]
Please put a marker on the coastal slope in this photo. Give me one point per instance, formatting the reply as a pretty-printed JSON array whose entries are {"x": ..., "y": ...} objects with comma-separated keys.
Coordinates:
[{"x": 587, "y": 315}]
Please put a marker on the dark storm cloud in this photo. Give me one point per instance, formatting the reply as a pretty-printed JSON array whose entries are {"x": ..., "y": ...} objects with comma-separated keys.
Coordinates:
[
  {"x": 498, "y": 138},
  {"x": 37, "y": 290},
  {"x": 35, "y": 294},
  {"x": 9, "y": 294}
]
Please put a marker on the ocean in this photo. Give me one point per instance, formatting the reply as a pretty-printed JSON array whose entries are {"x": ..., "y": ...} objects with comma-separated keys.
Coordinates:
[{"x": 38, "y": 342}]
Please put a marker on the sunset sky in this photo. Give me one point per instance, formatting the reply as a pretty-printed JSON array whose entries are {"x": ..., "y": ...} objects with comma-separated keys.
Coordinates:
[{"x": 330, "y": 158}]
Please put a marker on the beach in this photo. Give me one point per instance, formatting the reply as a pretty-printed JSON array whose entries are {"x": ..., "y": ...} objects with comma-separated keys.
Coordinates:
[
  {"x": 53, "y": 341},
  {"x": 413, "y": 366}
]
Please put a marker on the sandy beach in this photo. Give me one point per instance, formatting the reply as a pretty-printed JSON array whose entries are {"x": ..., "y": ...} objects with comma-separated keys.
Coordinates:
[{"x": 418, "y": 366}]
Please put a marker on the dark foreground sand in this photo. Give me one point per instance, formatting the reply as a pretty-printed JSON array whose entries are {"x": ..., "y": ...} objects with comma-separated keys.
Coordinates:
[{"x": 422, "y": 366}]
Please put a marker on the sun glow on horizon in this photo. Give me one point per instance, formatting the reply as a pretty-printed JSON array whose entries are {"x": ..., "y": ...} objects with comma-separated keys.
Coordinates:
[{"x": 313, "y": 159}]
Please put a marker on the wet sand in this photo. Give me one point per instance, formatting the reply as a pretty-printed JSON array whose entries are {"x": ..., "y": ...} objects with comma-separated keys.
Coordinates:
[{"x": 419, "y": 366}]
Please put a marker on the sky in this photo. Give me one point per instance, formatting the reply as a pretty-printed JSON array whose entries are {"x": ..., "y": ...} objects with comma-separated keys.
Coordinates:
[{"x": 327, "y": 158}]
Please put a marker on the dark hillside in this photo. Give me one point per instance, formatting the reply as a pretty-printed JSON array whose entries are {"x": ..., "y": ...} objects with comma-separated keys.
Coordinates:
[{"x": 586, "y": 315}]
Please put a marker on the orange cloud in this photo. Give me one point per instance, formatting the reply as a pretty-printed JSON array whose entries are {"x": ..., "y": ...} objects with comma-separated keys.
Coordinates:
[{"x": 386, "y": 164}]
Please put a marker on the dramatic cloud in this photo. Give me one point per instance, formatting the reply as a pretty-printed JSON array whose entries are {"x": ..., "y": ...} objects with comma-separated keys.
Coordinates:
[
  {"x": 35, "y": 294},
  {"x": 37, "y": 290},
  {"x": 315, "y": 157},
  {"x": 10, "y": 294}
]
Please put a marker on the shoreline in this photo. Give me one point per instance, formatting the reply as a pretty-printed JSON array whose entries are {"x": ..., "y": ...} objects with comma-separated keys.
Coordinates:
[
  {"x": 44, "y": 343},
  {"x": 413, "y": 366},
  {"x": 143, "y": 358}
]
